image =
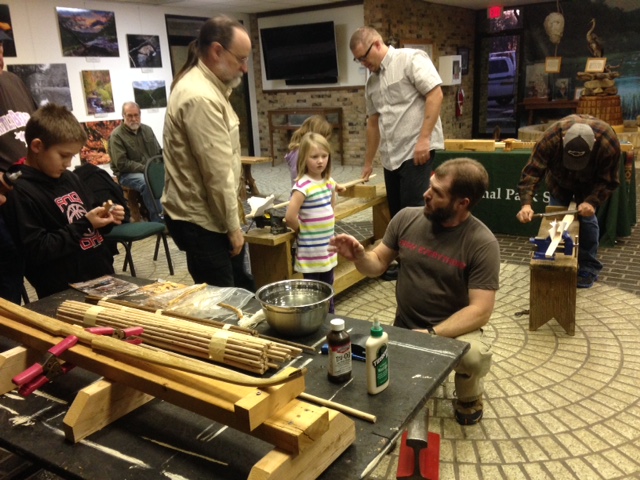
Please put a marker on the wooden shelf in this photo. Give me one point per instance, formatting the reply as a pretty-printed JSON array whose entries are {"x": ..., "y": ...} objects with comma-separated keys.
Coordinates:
[
  {"x": 542, "y": 104},
  {"x": 333, "y": 116}
]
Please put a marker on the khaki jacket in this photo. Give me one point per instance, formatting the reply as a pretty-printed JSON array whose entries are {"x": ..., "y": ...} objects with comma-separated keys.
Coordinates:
[{"x": 202, "y": 154}]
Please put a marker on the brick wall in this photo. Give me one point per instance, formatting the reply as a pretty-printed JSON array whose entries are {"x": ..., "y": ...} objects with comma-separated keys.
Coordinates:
[{"x": 447, "y": 27}]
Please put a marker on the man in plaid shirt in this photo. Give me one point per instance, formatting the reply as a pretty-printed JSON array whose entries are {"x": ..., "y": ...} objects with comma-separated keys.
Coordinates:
[{"x": 578, "y": 157}]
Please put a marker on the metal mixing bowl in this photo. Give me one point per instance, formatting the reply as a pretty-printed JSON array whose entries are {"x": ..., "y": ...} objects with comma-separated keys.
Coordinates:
[{"x": 295, "y": 307}]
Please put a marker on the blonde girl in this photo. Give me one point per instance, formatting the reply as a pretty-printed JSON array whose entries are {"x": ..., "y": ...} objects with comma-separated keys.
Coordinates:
[
  {"x": 315, "y": 124},
  {"x": 311, "y": 210}
]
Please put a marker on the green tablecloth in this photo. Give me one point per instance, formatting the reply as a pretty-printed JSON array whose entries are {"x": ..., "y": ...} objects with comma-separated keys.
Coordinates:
[{"x": 501, "y": 203}]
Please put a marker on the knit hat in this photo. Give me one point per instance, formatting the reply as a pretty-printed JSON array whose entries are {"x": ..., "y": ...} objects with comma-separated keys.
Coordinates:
[{"x": 578, "y": 143}]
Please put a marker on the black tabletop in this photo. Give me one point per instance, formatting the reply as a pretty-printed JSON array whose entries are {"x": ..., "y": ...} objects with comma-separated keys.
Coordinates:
[{"x": 160, "y": 439}]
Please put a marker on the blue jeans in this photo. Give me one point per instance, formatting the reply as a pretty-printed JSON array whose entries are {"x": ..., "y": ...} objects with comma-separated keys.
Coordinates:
[
  {"x": 589, "y": 241},
  {"x": 407, "y": 184},
  {"x": 11, "y": 267},
  {"x": 135, "y": 181},
  {"x": 208, "y": 256}
]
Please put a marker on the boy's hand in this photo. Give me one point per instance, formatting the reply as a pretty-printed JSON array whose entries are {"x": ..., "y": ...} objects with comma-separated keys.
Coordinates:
[
  {"x": 101, "y": 216},
  {"x": 2, "y": 199}
]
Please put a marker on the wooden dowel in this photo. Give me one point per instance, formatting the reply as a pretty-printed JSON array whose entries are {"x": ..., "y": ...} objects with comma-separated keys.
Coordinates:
[{"x": 338, "y": 406}]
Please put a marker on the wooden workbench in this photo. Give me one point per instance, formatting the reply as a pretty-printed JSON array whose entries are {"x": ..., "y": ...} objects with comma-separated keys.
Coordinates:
[
  {"x": 271, "y": 258},
  {"x": 160, "y": 440}
]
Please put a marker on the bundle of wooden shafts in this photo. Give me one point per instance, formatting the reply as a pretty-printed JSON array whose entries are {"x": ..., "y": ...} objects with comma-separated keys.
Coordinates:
[{"x": 246, "y": 352}]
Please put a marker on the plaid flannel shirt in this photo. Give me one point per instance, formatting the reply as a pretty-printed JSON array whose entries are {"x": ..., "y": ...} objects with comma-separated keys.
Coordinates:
[{"x": 593, "y": 184}]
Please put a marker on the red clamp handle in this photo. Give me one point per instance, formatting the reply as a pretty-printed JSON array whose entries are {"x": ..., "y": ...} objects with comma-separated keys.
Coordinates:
[
  {"x": 39, "y": 368},
  {"x": 28, "y": 388},
  {"x": 101, "y": 330}
]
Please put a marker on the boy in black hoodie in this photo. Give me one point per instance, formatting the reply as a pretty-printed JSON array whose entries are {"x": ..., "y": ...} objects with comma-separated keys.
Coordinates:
[{"x": 50, "y": 214}]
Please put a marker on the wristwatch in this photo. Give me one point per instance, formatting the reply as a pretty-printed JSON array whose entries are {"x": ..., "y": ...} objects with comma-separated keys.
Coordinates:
[{"x": 431, "y": 330}]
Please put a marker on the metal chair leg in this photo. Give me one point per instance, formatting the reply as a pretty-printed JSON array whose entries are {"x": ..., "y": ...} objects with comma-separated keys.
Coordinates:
[
  {"x": 128, "y": 259},
  {"x": 166, "y": 252},
  {"x": 155, "y": 253}
]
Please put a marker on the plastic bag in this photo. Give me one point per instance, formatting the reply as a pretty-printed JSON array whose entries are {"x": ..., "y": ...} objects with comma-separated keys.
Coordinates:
[{"x": 203, "y": 301}]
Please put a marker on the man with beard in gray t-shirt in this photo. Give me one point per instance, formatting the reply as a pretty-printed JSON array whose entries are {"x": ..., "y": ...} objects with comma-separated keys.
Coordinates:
[{"x": 450, "y": 271}]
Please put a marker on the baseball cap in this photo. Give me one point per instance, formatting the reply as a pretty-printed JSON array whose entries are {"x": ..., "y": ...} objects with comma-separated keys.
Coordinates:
[{"x": 577, "y": 145}]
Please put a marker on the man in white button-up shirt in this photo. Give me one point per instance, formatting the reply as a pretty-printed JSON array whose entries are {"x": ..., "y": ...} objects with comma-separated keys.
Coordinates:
[{"x": 403, "y": 98}]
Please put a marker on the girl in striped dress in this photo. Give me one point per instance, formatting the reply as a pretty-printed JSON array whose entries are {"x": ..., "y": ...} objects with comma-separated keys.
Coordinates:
[{"x": 310, "y": 211}]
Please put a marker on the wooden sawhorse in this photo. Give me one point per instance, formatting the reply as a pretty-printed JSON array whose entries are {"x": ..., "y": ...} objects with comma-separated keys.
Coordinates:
[{"x": 553, "y": 284}]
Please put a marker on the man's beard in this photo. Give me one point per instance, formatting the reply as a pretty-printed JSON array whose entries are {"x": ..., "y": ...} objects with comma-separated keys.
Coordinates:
[
  {"x": 441, "y": 215},
  {"x": 233, "y": 83}
]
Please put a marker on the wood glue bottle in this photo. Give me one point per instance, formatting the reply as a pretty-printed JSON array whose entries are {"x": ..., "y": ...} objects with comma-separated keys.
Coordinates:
[
  {"x": 377, "y": 349},
  {"x": 339, "y": 343}
]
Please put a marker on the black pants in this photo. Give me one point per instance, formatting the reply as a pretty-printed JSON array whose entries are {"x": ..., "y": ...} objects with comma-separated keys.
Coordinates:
[
  {"x": 11, "y": 267},
  {"x": 407, "y": 184},
  {"x": 208, "y": 256}
]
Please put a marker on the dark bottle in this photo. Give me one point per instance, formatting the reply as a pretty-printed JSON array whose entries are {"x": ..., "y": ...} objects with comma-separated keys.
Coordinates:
[{"x": 339, "y": 343}]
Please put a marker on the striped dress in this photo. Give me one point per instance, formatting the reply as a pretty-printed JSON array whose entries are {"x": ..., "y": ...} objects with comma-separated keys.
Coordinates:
[{"x": 317, "y": 222}]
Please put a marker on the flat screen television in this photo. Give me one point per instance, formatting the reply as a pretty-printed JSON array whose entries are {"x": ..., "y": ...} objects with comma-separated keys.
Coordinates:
[{"x": 300, "y": 54}]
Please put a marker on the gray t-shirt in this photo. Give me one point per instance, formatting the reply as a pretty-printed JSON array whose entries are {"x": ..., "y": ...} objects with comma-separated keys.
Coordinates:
[{"x": 439, "y": 265}]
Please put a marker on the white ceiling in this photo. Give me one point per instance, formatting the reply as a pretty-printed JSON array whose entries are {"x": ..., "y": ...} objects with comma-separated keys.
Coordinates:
[{"x": 261, "y": 6}]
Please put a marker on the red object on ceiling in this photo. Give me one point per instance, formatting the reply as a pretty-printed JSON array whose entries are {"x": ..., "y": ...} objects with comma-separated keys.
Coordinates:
[{"x": 494, "y": 12}]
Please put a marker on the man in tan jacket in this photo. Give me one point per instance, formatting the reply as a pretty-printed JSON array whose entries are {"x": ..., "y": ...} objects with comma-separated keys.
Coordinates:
[{"x": 202, "y": 156}]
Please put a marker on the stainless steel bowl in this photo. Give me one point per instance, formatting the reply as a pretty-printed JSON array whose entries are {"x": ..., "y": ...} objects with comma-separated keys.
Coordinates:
[{"x": 295, "y": 307}]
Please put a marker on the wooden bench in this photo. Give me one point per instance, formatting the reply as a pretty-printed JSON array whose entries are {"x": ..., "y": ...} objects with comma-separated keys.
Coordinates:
[
  {"x": 553, "y": 283},
  {"x": 271, "y": 258}
]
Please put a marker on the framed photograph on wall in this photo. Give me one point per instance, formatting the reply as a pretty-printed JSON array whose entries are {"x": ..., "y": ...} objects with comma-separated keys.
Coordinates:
[
  {"x": 6, "y": 31},
  {"x": 87, "y": 33},
  {"x": 552, "y": 64},
  {"x": 464, "y": 62},
  {"x": 47, "y": 82},
  {"x": 562, "y": 89},
  {"x": 98, "y": 93},
  {"x": 144, "y": 51},
  {"x": 150, "y": 93},
  {"x": 425, "y": 45},
  {"x": 595, "y": 65}
]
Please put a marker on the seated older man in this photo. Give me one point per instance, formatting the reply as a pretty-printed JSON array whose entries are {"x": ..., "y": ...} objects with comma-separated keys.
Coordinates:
[{"x": 131, "y": 145}]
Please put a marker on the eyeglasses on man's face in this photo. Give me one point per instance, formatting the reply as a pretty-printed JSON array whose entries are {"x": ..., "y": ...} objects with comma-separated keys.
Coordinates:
[
  {"x": 364, "y": 57},
  {"x": 241, "y": 60}
]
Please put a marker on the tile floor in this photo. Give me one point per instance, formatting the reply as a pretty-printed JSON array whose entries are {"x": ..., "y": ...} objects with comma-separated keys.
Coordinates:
[{"x": 556, "y": 407}]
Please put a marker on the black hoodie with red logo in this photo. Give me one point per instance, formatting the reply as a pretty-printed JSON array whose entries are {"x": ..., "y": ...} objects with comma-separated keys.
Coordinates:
[{"x": 47, "y": 220}]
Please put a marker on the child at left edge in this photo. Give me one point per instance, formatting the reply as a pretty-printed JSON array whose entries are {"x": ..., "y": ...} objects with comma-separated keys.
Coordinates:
[
  {"x": 311, "y": 210},
  {"x": 50, "y": 214}
]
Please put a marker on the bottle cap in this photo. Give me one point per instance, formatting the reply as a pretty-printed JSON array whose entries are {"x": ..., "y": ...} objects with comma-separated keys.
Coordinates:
[
  {"x": 337, "y": 324},
  {"x": 376, "y": 329}
]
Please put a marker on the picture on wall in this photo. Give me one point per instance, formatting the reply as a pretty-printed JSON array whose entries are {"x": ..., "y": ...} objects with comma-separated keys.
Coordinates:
[
  {"x": 47, "y": 82},
  {"x": 6, "y": 32},
  {"x": 87, "y": 33},
  {"x": 144, "y": 51},
  {"x": 464, "y": 59},
  {"x": 95, "y": 151},
  {"x": 561, "y": 89},
  {"x": 426, "y": 46},
  {"x": 97, "y": 91},
  {"x": 150, "y": 94}
]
